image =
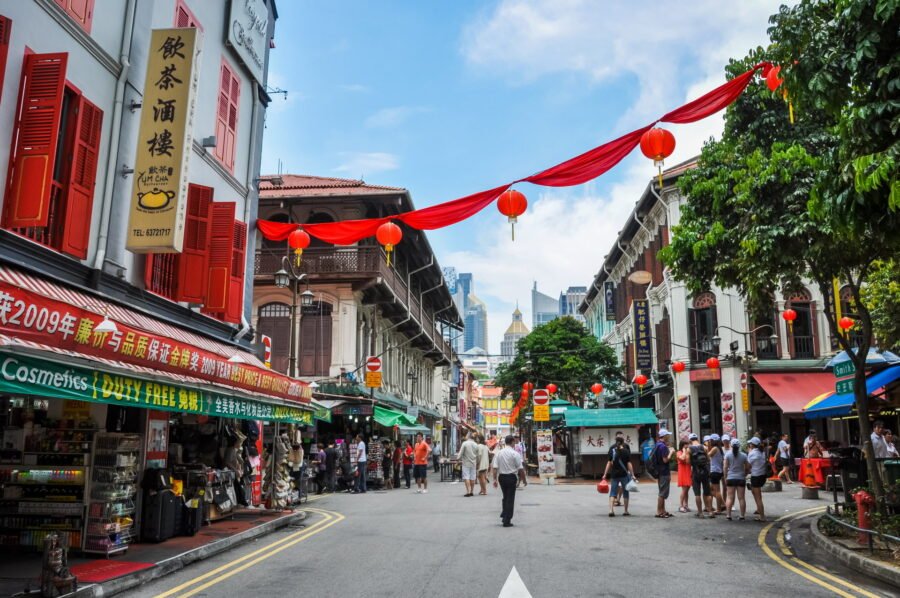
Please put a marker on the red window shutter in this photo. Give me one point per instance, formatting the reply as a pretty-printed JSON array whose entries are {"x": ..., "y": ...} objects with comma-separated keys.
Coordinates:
[
  {"x": 35, "y": 140},
  {"x": 235, "y": 306},
  {"x": 221, "y": 245},
  {"x": 227, "y": 115},
  {"x": 82, "y": 11},
  {"x": 193, "y": 263},
  {"x": 184, "y": 17},
  {"x": 80, "y": 192},
  {"x": 5, "y": 31}
]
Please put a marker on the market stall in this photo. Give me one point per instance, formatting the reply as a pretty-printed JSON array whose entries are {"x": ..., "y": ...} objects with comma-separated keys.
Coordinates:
[{"x": 594, "y": 432}]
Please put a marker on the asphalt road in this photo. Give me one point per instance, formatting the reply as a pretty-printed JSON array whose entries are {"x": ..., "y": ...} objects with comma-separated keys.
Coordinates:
[{"x": 399, "y": 543}]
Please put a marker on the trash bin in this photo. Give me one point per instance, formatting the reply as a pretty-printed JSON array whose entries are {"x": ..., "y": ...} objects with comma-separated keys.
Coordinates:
[
  {"x": 892, "y": 471},
  {"x": 853, "y": 471}
]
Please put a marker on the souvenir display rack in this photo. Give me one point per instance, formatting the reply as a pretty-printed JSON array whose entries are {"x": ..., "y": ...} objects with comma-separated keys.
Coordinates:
[
  {"x": 37, "y": 500},
  {"x": 110, "y": 516}
]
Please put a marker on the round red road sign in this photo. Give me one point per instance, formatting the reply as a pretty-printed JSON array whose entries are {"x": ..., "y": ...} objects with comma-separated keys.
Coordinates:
[
  {"x": 373, "y": 364},
  {"x": 541, "y": 396}
]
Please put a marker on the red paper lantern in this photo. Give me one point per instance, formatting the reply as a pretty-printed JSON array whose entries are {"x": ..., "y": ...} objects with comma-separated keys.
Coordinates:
[
  {"x": 772, "y": 78},
  {"x": 298, "y": 240},
  {"x": 551, "y": 388},
  {"x": 512, "y": 204},
  {"x": 712, "y": 363},
  {"x": 523, "y": 395},
  {"x": 640, "y": 380},
  {"x": 528, "y": 386},
  {"x": 789, "y": 316},
  {"x": 596, "y": 388},
  {"x": 678, "y": 367},
  {"x": 389, "y": 235},
  {"x": 658, "y": 144},
  {"x": 846, "y": 323}
]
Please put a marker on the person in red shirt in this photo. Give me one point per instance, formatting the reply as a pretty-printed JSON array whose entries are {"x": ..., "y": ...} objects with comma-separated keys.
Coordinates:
[
  {"x": 420, "y": 470},
  {"x": 407, "y": 462}
]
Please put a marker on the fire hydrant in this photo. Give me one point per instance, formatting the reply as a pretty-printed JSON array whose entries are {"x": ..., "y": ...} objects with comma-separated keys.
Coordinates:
[{"x": 864, "y": 504}]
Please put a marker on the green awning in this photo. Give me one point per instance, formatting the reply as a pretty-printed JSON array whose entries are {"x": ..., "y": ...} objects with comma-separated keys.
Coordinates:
[
  {"x": 390, "y": 418},
  {"x": 609, "y": 418}
]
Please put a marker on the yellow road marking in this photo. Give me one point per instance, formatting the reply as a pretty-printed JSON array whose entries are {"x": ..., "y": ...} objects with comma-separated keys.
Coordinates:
[
  {"x": 329, "y": 519},
  {"x": 779, "y": 538}
]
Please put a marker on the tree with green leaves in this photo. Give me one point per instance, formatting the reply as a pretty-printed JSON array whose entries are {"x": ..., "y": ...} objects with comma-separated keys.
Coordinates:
[
  {"x": 564, "y": 353},
  {"x": 772, "y": 205}
]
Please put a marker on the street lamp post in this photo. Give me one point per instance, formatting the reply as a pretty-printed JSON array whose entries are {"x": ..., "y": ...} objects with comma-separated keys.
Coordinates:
[
  {"x": 717, "y": 340},
  {"x": 412, "y": 393},
  {"x": 286, "y": 277}
]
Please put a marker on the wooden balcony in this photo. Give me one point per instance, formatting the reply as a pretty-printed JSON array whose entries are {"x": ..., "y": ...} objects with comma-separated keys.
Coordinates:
[{"x": 361, "y": 266}]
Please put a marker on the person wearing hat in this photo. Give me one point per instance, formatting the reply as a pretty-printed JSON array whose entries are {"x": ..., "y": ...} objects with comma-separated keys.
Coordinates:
[
  {"x": 662, "y": 454},
  {"x": 759, "y": 472},
  {"x": 716, "y": 470},
  {"x": 700, "y": 474},
  {"x": 736, "y": 470}
]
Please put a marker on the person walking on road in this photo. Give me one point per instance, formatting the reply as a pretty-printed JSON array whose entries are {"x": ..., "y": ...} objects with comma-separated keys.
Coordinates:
[
  {"x": 436, "y": 456},
  {"x": 420, "y": 464},
  {"x": 508, "y": 469},
  {"x": 468, "y": 456},
  {"x": 662, "y": 455},
  {"x": 484, "y": 462},
  {"x": 716, "y": 471},
  {"x": 700, "y": 474},
  {"x": 330, "y": 467},
  {"x": 361, "y": 465},
  {"x": 620, "y": 470},
  {"x": 684, "y": 473},
  {"x": 397, "y": 462},
  {"x": 386, "y": 462},
  {"x": 407, "y": 463},
  {"x": 783, "y": 459},
  {"x": 736, "y": 469},
  {"x": 759, "y": 472}
]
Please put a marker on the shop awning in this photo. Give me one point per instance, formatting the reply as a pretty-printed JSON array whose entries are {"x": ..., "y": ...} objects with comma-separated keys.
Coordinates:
[
  {"x": 390, "y": 418},
  {"x": 430, "y": 412},
  {"x": 322, "y": 412},
  {"x": 842, "y": 404},
  {"x": 609, "y": 418},
  {"x": 792, "y": 391},
  {"x": 414, "y": 429}
]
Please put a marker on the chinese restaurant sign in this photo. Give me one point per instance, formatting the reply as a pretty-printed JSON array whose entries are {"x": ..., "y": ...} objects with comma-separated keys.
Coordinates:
[
  {"x": 33, "y": 317},
  {"x": 642, "y": 348},
  {"x": 158, "y": 198},
  {"x": 20, "y": 375}
]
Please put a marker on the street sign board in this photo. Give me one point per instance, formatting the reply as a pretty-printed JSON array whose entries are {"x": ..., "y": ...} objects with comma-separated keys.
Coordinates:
[
  {"x": 844, "y": 368},
  {"x": 412, "y": 411},
  {"x": 373, "y": 364},
  {"x": 541, "y": 396},
  {"x": 542, "y": 413},
  {"x": 843, "y": 387},
  {"x": 373, "y": 379},
  {"x": 745, "y": 399}
]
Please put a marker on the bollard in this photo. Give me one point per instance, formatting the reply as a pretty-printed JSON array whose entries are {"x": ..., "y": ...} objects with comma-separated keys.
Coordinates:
[{"x": 864, "y": 504}]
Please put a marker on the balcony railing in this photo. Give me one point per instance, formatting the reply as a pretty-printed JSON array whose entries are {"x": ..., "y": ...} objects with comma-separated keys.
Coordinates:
[
  {"x": 804, "y": 347},
  {"x": 765, "y": 348},
  {"x": 348, "y": 263}
]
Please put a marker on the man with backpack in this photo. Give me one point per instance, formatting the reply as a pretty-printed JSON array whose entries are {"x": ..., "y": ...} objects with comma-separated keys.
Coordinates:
[
  {"x": 700, "y": 476},
  {"x": 620, "y": 464},
  {"x": 658, "y": 467}
]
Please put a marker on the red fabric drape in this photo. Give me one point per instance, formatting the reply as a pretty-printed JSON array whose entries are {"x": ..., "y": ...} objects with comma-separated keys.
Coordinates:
[{"x": 574, "y": 171}]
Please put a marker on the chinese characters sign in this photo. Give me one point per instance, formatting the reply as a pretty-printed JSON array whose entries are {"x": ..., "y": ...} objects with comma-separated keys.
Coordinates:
[
  {"x": 20, "y": 375},
  {"x": 36, "y": 318},
  {"x": 158, "y": 198},
  {"x": 609, "y": 298},
  {"x": 597, "y": 441},
  {"x": 642, "y": 346},
  {"x": 544, "y": 444}
]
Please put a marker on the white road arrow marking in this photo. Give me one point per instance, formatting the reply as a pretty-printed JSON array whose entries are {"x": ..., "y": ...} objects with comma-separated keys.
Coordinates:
[{"x": 514, "y": 587}]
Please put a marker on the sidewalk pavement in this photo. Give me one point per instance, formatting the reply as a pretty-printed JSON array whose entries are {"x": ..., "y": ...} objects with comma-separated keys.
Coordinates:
[
  {"x": 143, "y": 562},
  {"x": 854, "y": 556}
]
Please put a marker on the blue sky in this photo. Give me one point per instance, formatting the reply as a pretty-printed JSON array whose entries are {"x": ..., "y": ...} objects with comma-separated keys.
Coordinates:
[{"x": 449, "y": 98}]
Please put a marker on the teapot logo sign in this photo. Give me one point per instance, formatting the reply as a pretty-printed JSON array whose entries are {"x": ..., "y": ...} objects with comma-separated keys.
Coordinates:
[{"x": 155, "y": 200}]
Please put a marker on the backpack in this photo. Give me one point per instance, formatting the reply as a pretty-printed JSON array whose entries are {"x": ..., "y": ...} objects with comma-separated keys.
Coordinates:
[
  {"x": 653, "y": 464},
  {"x": 699, "y": 460}
]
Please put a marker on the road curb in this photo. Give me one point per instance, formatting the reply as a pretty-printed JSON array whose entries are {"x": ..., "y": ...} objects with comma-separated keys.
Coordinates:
[
  {"x": 177, "y": 563},
  {"x": 857, "y": 562}
]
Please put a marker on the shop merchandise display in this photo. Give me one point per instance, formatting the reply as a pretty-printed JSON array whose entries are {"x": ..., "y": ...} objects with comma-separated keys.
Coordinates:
[
  {"x": 375, "y": 452},
  {"x": 276, "y": 474},
  {"x": 113, "y": 489}
]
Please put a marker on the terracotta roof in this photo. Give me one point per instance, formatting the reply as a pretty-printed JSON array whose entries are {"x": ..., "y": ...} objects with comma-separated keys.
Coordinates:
[{"x": 299, "y": 185}]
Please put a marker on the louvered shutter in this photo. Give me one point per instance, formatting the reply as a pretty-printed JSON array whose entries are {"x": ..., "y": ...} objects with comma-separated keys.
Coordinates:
[
  {"x": 5, "y": 32},
  {"x": 182, "y": 18},
  {"x": 193, "y": 262},
  {"x": 235, "y": 302},
  {"x": 234, "y": 100},
  {"x": 227, "y": 115},
  {"x": 82, "y": 11},
  {"x": 82, "y": 178},
  {"x": 221, "y": 245},
  {"x": 35, "y": 140}
]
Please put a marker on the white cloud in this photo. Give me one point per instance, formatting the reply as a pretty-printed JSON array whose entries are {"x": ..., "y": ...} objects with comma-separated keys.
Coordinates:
[
  {"x": 392, "y": 117},
  {"x": 363, "y": 164}
]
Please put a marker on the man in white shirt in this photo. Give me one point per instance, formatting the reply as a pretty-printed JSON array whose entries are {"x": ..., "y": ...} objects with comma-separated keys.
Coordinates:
[
  {"x": 889, "y": 441},
  {"x": 879, "y": 446},
  {"x": 468, "y": 456},
  {"x": 508, "y": 467},
  {"x": 361, "y": 462},
  {"x": 436, "y": 456},
  {"x": 783, "y": 459}
]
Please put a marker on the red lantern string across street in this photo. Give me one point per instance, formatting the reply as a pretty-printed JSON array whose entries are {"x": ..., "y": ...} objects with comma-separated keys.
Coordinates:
[
  {"x": 523, "y": 395},
  {"x": 298, "y": 241},
  {"x": 528, "y": 386},
  {"x": 389, "y": 235},
  {"x": 789, "y": 316},
  {"x": 713, "y": 363},
  {"x": 640, "y": 380},
  {"x": 658, "y": 144},
  {"x": 846, "y": 323},
  {"x": 551, "y": 388},
  {"x": 596, "y": 388},
  {"x": 678, "y": 367},
  {"x": 773, "y": 81},
  {"x": 512, "y": 204}
]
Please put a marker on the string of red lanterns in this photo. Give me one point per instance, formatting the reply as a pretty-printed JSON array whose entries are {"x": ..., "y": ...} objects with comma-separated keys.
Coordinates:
[
  {"x": 596, "y": 388},
  {"x": 512, "y": 204},
  {"x": 389, "y": 235},
  {"x": 658, "y": 144},
  {"x": 678, "y": 367},
  {"x": 846, "y": 323},
  {"x": 298, "y": 240},
  {"x": 552, "y": 388},
  {"x": 713, "y": 363}
]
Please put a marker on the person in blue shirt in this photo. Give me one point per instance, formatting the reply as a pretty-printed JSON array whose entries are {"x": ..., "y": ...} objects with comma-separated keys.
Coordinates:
[{"x": 662, "y": 454}]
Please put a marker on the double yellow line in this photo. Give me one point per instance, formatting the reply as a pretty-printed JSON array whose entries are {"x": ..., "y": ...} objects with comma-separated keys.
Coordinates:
[
  {"x": 789, "y": 560},
  {"x": 234, "y": 567}
]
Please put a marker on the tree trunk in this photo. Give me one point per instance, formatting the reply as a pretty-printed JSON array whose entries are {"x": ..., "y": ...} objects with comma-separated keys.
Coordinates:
[{"x": 865, "y": 430}]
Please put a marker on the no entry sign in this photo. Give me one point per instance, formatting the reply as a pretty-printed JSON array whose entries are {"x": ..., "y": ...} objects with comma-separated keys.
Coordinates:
[
  {"x": 373, "y": 372},
  {"x": 373, "y": 364},
  {"x": 541, "y": 396}
]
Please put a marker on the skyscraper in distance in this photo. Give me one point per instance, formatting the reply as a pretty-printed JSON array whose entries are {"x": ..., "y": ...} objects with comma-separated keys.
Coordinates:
[{"x": 544, "y": 308}]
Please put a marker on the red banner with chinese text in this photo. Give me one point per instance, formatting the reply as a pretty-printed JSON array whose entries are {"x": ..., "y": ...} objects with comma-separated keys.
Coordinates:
[{"x": 38, "y": 319}]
